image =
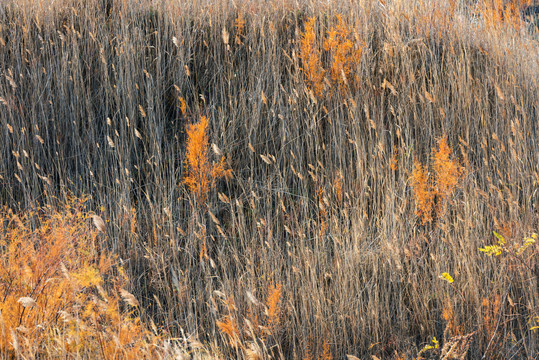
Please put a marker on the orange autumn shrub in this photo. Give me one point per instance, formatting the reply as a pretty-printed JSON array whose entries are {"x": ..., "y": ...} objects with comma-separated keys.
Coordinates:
[
  {"x": 273, "y": 305},
  {"x": 62, "y": 295},
  {"x": 345, "y": 50},
  {"x": 431, "y": 193},
  {"x": 201, "y": 171},
  {"x": 423, "y": 194},
  {"x": 342, "y": 51},
  {"x": 310, "y": 56},
  {"x": 448, "y": 173}
]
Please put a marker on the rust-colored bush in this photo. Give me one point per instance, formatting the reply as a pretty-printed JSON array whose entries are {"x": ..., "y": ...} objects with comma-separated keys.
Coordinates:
[
  {"x": 201, "y": 172},
  {"x": 432, "y": 192},
  {"x": 62, "y": 295},
  {"x": 343, "y": 48}
]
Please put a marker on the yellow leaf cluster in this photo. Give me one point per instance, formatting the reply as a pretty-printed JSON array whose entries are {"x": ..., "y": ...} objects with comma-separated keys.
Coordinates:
[
  {"x": 434, "y": 346},
  {"x": 447, "y": 277},
  {"x": 501, "y": 247}
]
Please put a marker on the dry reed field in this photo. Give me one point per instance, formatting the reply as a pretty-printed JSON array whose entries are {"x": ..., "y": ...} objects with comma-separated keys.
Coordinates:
[{"x": 281, "y": 179}]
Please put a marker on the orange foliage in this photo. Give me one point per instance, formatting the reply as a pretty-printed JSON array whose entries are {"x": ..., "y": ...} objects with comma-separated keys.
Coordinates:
[
  {"x": 56, "y": 301},
  {"x": 452, "y": 327},
  {"x": 423, "y": 195},
  {"x": 272, "y": 303},
  {"x": 310, "y": 57},
  {"x": 435, "y": 19},
  {"x": 497, "y": 14},
  {"x": 326, "y": 353},
  {"x": 344, "y": 50},
  {"x": 394, "y": 160},
  {"x": 447, "y": 174},
  {"x": 230, "y": 328},
  {"x": 345, "y": 54},
  {"x": 239, "y": 25},
  {"x": 491, "y": 309},
  {"x": 322, "y": 210},
  {"x": 338, "y": 186},
  {"x": 308, "y": 355},
  {"x": 183, "y": 105},
  {"x": 201, "y": 172}
]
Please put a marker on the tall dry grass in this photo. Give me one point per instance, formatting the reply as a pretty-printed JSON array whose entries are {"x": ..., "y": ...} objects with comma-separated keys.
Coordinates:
[{"x": 314, "y": 247}]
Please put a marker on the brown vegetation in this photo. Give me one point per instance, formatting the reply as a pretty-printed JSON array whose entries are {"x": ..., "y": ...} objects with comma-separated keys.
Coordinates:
[{"x": 375, "y": 147}]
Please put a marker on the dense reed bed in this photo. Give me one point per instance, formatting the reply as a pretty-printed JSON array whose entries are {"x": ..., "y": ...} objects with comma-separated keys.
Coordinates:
[{"x": 278, "y": 179}]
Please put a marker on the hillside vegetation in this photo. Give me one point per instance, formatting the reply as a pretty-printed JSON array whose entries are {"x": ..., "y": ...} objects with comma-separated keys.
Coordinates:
[{"x": 269, "y": 179}]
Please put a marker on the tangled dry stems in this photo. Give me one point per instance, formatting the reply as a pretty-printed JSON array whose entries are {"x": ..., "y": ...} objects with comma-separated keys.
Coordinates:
[{"x": 327, "y": 114}]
